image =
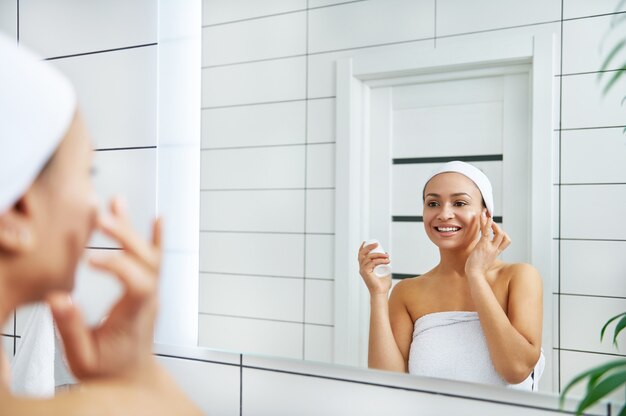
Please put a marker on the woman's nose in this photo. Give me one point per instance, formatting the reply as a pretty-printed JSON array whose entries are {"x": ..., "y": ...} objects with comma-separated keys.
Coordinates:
[{"x": 445, "y": 213}]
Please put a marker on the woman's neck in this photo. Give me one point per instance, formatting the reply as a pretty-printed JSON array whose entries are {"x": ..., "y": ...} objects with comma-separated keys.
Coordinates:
[{"x": 452, "y": 262}]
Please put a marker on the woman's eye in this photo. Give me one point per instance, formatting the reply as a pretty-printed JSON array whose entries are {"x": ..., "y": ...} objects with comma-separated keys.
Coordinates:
[
  {"x": 460, "y": 203},
  {"x": 432, "y": 204}
]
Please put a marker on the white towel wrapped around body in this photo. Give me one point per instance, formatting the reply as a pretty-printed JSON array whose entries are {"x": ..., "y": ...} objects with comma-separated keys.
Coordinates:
[
  {"x": 33, "y": 363},
  {"x": 452, "y": 345}
]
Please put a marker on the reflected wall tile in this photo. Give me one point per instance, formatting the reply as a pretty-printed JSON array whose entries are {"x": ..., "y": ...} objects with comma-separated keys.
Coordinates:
[
  {"x": 320, "y": 301},
  {"x": 320, "y": 166},
  {"x": 320, "y": 211},
  {"x": 252, "y": 254},
  {"x": 252, "y": 296},
  {"x": 320, "y": 256},
  {"x": 457, "y": 16},
  {"x": 582, "y": 8},
  {"x": 601, "y": 151},
  {"x": 270, "y": 37},
  {"x": 371, "y": 22},
  {"x": 265, "y": 125},
  {"x": 321, "y": 120},
  {"x": 577, "y": 204},
  {"x": 258, "y": 211},
  {"x": 253, "y": 168},
  {"x": 251, "y": 83},
  {"x": 582, "y": 318},
  {"x": 220, "y": 11},
  {"x": 318, "y": 343},
  {"x": 593, "y": 268},
  {"x": 283, "y": 339}
]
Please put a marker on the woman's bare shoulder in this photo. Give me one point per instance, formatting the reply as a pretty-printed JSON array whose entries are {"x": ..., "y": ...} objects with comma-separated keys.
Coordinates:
[{"x": 515, "y": 272}]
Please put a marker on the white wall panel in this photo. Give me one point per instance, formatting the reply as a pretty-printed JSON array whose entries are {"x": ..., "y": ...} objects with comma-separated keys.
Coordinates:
[
  {"x": 8, "y": 18},
  {"x": 593, "y": 268},
  {"x": 259, "y": 82},
  {"x": 254, "y": 125},
  {"x": 220, "y": 11},
  {"x": 255, "y": 39},
  {"x": 252, "y": 254},
  {"x": 51, "y": 27},
  {"x": 582, "y": 318},
  {"x": 458, "y": 16},
  {"x": 273, "y": 211},
  {"x": 581, "y": 205},
  {"x": 117, "y": 94},
  {"x": 252, "y": 296},
  {"x": 593, "y": 156},
  {"x": 213, "y": 387},
  {"x": 371, "y": 22},
  {"x": 283, "y": 339},
  {"x": 269, "y": 167}
]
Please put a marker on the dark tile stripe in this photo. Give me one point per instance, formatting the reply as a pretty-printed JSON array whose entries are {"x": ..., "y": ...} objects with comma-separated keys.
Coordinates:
[{"x": 444, "y": 159}]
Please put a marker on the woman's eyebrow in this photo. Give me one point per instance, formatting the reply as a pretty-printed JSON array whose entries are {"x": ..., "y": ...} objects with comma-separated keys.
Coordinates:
[{"x": 455, "y": 194}]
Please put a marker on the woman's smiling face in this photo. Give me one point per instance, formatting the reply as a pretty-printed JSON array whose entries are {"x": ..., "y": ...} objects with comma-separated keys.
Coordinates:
[{"x": 453, "y": 205}]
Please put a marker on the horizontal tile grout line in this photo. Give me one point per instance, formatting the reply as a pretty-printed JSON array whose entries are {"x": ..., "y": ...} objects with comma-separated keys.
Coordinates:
[
  {"x": 279, "y": 14},
  {"x": 591, "y": 352},
  {"x": 265, "y": 275},
  {"x": 590, "y": 184},
  {"x": 355, "y": 48},
  {"x": 411, "y": 389},
  {"x": 266, "y": 232},
  {"x": 110, "y": 149},
  {"x": 570, "y": 74},
  {"x": 11, "y": 336},
  {"x": 254, "y": 318},
  {"x": 123, "y": 48},
  {"x": 588, "y": 296},
  {"x": 439, "y": 37},
  {"x": 196, "y": 359},
  {"x": 410, "y": 218},
  {"x": 321, "y": 188},
  {"x": 589, "y": 128},
  {"x": 569, "y": 19},
  {"x": 217, "y": 107},
  {"x": 587, "y": 239},
  {"x": 103, "y": 248},
  {"x": 254, "y": 61},
  {"x": 261, "y": 146}
]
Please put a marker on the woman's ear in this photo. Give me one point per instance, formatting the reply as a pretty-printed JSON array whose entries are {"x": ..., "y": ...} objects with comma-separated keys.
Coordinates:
[{"x": 16, "y": 233}]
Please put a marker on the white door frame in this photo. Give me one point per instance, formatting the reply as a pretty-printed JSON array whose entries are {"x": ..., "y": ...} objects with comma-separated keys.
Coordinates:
[{"x": 355, "y": 78}]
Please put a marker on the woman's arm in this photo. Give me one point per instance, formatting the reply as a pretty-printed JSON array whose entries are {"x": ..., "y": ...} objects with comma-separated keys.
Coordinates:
[
  {"x": 390, "y": 323},
  {"x": 514, "y": 341}
]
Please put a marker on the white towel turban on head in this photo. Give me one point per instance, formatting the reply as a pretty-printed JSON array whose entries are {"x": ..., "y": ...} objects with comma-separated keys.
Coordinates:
[
  {"x": 472, "y": 172},
  {"x": 37, "y": 106}
]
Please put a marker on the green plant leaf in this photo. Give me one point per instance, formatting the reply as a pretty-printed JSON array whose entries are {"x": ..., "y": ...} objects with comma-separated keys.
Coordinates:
[
  {"x": 617, "y": 74},
  {"x": 623, "y": 411},
  {"x": 610, "y": 57},
  {"x": 602, "y": 389},
  {"x": 601, "y": 369},
  {"x": 618, "y": 328},
  {"x": 609, "y": 323}
]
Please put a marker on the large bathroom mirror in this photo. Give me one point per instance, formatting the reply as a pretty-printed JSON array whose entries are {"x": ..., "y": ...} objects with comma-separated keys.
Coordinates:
[{"x": 320, "y": 120}]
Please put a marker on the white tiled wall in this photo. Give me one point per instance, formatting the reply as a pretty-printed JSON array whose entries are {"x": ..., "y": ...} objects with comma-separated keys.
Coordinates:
[{"x": 288, "y": 98}]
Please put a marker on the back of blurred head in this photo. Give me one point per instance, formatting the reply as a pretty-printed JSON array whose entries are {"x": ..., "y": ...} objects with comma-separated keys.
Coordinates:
[{"x": 47, "y": 207}]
